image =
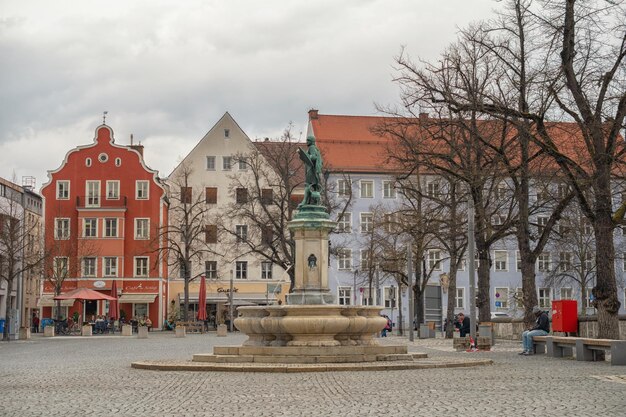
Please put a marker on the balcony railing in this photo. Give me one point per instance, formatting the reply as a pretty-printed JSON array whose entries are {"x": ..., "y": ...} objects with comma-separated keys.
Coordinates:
[{"x": 100, "y": 201}]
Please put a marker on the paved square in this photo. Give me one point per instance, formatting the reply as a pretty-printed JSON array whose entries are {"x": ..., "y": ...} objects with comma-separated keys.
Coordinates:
[{"x": 70, "y": 376}]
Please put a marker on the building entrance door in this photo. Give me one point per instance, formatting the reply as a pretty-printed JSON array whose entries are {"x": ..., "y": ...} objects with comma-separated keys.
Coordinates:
[
  {"x": 91, "y": 309},
  {"x": 432, "y": 305}
]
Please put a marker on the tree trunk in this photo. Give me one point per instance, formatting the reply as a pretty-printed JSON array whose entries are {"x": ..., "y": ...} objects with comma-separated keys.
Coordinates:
[
  {"x": 7, "y": 312},
  {"x": 605, "y": 291},
  {"x": 451, "y": 301},
  {"x": 400, "y": 316},
  {"x": 483, "y": 301},
  {"x": 529, "y": 287}
]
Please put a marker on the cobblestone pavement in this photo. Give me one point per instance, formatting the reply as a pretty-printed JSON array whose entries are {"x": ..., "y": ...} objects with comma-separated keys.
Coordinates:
[{"x": 75, "y": 376}]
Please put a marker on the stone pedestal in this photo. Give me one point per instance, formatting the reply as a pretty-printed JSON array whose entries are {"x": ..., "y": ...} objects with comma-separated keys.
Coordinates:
[
  {"x": 24, "y": 333},
  {"x": 181, "y": 331},
  {"x": 143, "y": 332},
  {"x": 222, "y": 330},
  {"x": 48, "y": 331},
  {"x": 86, "y": 330},
  {"x": 310, "y": 228},
  {"x": 127, "y": 330}
]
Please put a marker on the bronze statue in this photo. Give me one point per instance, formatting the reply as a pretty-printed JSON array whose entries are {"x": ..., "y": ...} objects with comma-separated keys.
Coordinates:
[{"x": 313, "y": 164}]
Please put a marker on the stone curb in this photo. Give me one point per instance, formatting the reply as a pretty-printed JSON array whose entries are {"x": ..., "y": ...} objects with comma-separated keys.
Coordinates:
[{"x": 288, "y": 368}]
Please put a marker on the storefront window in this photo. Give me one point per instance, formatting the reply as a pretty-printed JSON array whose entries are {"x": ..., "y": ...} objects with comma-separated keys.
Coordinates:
[{"x": 140, "y": 310}]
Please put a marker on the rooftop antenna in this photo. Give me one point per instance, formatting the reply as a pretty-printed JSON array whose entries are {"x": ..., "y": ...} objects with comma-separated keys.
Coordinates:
[{"x": 104, "y": 117}]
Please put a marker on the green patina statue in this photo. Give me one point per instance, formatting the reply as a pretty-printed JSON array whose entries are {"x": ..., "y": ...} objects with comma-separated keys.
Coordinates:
[{"x": 313, "y": 164}]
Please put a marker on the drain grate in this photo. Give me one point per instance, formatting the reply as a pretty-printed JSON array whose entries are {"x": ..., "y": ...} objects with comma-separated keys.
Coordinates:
[{"x": 620, "y": 379}]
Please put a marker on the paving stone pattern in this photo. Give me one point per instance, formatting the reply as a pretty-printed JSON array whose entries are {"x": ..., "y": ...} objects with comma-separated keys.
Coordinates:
[{"x": 76, "y": 376}]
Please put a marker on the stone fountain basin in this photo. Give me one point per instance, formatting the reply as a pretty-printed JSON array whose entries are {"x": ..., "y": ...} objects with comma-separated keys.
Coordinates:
[{"x": 310, "y": 325}]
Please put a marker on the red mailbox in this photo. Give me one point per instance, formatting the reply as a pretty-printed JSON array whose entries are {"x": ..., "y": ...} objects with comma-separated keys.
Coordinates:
[{"x": 564, "y": 316}]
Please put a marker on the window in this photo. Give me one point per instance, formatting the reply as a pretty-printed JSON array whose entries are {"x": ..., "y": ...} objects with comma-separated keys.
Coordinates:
[
  {"x": 542, "y": 221},
  {"x": 211, "y": 195},
  {"x": 63, "y": 190},
  {"x": 434, "y": 260},
  {"x": 367, "y": 222},
  {"x": 518, "y": 261},
  {"x": 587, "y": 302},
  {"x": 545, "y": 300},
  {"x": 140, "y": 309},
  {"x": 367, "y": 298},
  {"x": 389, "y": 191},
  {"x": 90, "y": 227},
  {"x": 241, "y": 269},
  {"x": 61, "y": 229},
  {"x": 226, "y": 133},
  {"x": 432, "y": 189},
  {"x": 267, "y": 196},
  {"x": 563, "y": 228},
  {"x": 565, "y": 261},
  {"x": 367, "y": 189},
  {"x": 141, "y": 190},
  {"x": 227, "y": 163},
  {"x": 542, "y": 194},
  {"x": 118, "y": 162},
  {"x": 267, "y": 234},
  {"x": 501, "y": 260},
  {"x": 87, "y": 162},
  {"x": 391, "y": 222},
  {"x": 589, "y": 261},
  {"x": 566, "y": 293},
  {"x": 93, "y": 193},
  {"x": 344, "y": 296},
  {"x": 344, "y": 224},
  {"x": 141, "y": 266},
  {"x": 366, "y": 259},
  {"x": 562, "y": 191},
  {"x": 185, "y": 195},
  {"x": 243, "y": 164},
  {"x": 266, "y": 270},
  {"x": 501, "y": 191},
  {"x": 389, "y": 295},
  {"x": 89, "y": 267},
  {"x": 110, "y": 227},
  {"x": 142, "y": 228},
  {"x": 543, "y": 262},
  {"x": 210, "y": 269},
  {"x": 497, "y": 220},
  {"x": 210, "y": 163},
  {"x": 344, "y": 188},
  {"x": 61, "y": 267},
  {"x": 344, "y": 258},
  {"x": 502, "y": 297},
  {"x": 113, "y": 190},
  {"x": 103, "y": 157},
  {"x": 210, "y": 233},
  {"x": 587, "y": 229},
  {"x": 518, "y": 298},
  {"x": 241, "y": 232},
  {"x": 110, "y": 266},
  {"x": 459, "y": 299},
  {"x": 242, "y": 195}
]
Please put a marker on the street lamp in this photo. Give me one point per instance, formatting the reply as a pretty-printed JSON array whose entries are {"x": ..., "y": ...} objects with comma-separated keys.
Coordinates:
[{"x": 230, "y": 303}]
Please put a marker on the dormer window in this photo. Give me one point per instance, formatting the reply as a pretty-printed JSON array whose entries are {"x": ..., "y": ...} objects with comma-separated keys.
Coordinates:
[{"x": 226, "y": 133}]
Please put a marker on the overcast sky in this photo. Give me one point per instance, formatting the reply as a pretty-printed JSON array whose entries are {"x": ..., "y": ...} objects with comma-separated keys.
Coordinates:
[{"x": 167, "y": 70}]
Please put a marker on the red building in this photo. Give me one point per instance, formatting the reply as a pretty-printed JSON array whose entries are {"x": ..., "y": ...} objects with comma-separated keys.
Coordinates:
[{"x": 104, "y": 210}]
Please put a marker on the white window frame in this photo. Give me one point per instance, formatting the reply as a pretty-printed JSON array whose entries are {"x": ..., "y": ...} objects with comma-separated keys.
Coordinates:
[
  {"x": 498, "y": 263},
  {"x": 146, "y": 233},
  {"x": 434, "y": 262},
  {"x": 56, "y": 266},
  {"x": 61, "y": 192},
  {"x": 366, "y": 224},
  {"x": 459, "y": 298},
  {"x": 267, "y": 268},
  {"x": 106, "y": 232},
  {"x": 142, "y": 190},
  {"x": 587, "y": 302},
  {"x": 518, "y": 261},
  {"x": 344, "y": 223},
  {"x": 143, "y": 263},
  {"x": 109, "y": 266},
  {"x": 241, "y": 233},
  {"x": 365, "y": 296},
  {"x": 344, "y": 296},
  {"x": 390, "y": 298},
  {"x": 542, "y": 221},
  {"x": 543, "y": 301},
  {"x": 433, "y": 189},
  {"x": 504, "y": 300},
  {"x": 210, "y": 273},
  {"x": 92, "y": 271},
  {"x": 65, "y": 230},
  {"x": 92, "y": 193},
  {"x": 344, "y": 259},
  {"x": 364, "y": 187},
  {"x": 365, "y": 259},
  {"x": 241, "y": 164},
  {"x": 87, "y": 220},
  {"x": 389, "y": 191},
  {"x": 112, "y": 190},
  {"x": 344, "y": 188},
  {"x": 565, "y": 261},
  {"x": 210, "y": 162},
  {"x": 543, "y": 265},
  {"x": 227, "y": 163},
  {"x": 569, "y": 296},
  {"x": 241, "y": 269}
]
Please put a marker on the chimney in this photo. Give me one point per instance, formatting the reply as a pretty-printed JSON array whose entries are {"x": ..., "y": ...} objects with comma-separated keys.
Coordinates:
[
  {"x": 423, "y": 117},
  {"x": 138, "y": 148},
  {"x": 313, "y": 114}
]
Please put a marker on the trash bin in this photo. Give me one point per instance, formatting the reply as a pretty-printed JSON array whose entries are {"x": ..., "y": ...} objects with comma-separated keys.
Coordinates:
[
  {"x": 2, "y": 325},
  {"x": 565, "y": 316}
]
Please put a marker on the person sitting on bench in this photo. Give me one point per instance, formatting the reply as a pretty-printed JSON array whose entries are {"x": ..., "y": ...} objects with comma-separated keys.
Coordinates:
[
  {"x": 464, "y": 325},
  {"x": 541, "y": 328}
]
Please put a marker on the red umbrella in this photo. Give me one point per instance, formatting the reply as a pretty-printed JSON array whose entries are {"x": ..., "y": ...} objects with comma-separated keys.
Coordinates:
[
  {"x": 84, "y": 294},
  {"x": 202, "y": 300},
  {"x": 114, "y": 306}
]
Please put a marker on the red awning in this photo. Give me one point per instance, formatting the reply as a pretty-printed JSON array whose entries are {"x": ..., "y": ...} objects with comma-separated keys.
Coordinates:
[{"x": 84, "y": 294}]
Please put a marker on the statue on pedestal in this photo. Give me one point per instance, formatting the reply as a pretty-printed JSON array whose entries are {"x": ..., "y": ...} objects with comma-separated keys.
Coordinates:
[{"x": 313, "y": 164}]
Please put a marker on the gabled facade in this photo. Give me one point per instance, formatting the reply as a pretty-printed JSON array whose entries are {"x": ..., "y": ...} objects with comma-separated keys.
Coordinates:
[
  {"x": 104, "y": 212},
  {"x": 357, "y": 159},
  {"x": 211, "y": 169}
]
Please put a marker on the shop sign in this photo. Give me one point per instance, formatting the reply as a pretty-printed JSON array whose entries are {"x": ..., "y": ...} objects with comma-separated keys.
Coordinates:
[
  {"x": 222, "y": 289},
  {"x": 141, "y": 286},
  {"x": 99, "y": 284}
]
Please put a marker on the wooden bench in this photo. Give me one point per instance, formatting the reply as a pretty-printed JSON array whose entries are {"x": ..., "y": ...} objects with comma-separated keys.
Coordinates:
[
  {"x": 191, "y": 326},
  {"x": 586, "y": 349}
]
